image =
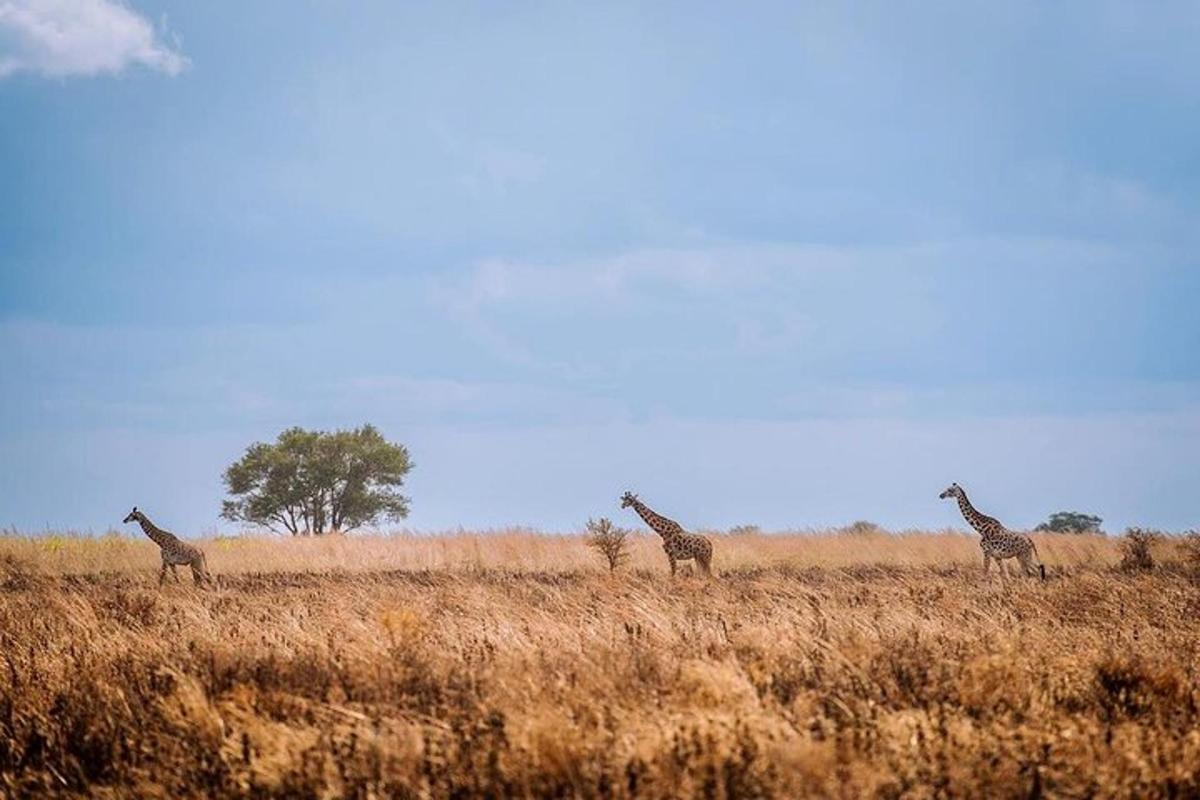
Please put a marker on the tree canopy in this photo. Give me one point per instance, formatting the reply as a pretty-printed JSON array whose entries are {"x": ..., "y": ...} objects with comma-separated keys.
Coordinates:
[
  {"x": 315, "y": 482},
  {"x": 1071, "y": 522}
]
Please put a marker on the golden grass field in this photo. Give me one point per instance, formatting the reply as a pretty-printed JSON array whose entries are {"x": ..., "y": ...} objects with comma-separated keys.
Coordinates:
[{"x": 513, "y": 664}]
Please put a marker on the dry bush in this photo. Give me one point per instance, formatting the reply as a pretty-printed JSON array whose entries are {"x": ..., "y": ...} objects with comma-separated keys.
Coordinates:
[
  {"x": 609, "y": 541},
  {"x": 862, "y": 527},
  {"x": 1189, "y": 550},
  {"x": 1136, "y": 545}
]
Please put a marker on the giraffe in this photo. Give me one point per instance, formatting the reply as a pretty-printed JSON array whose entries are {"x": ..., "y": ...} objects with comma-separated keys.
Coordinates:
[
  {"x": 679, "y": 545},
  {"x": 174, "y": 551},
  {"x": 997, "y": 542}
]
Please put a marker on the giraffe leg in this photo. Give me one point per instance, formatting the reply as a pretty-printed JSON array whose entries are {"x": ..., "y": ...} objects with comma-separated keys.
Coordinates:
[
  {"x": 987, "y": 564},
  {"x": 705, "y": 562},
  {"x": 200, "y": 572},
  {"x": 175, "y": 572},
  {"x": 672, "y": 560},
  {"x": 162, "y": 574}
]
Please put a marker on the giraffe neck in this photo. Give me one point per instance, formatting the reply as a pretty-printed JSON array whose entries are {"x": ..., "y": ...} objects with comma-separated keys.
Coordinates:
[
  {"x": 662, "y": 526},
  {"x": 980, "y": 522},
  {"x": 156, "y": 534}
]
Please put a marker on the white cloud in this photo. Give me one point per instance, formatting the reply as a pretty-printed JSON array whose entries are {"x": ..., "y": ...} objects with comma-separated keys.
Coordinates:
[
  {"x": 756, "y": 286},
  {"x": 821, "y": 305},
  {"x": 61, "y": 38},
  {"x": 730, "y": 269},
  {"x": 493, "y": 283},
  {"x": 487, "y": 166}
]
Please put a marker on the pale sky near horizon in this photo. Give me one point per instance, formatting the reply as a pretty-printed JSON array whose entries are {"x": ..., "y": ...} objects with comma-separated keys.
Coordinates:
[{"x": 792, "y": 264}]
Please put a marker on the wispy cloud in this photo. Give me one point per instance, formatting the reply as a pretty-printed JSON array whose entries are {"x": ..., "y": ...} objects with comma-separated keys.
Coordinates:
[
  {"x": 500, "y": 168},
  {"x": 765, "y": 296},
  {"x": 489, "y": 166},
  {"x": 494, "y": 283},
  {"x": 62, "y": 38}
]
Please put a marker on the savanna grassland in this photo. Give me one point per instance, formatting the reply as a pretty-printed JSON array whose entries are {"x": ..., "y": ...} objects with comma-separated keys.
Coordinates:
[{"x": 513, "y": 664}]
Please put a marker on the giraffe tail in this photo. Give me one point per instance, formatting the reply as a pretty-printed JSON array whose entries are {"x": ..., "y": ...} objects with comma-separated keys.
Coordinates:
[{"x": 1041, "y": 566}]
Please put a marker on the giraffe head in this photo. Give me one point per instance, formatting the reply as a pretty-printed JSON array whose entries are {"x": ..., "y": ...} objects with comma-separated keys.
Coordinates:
[
  {"x": 628, "y": 499},
  {"x": 134, "y": 515},
  {"x": 953, "y": 490}
]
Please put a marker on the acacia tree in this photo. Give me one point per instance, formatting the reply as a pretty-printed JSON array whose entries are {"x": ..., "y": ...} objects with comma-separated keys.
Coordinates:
[{"x": 315, "y": 482}]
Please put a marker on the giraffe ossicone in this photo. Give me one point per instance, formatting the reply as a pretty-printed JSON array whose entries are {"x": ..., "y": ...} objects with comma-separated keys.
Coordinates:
[
  {"x": 678, "y": 544},
  {"x": 175, "y": 552},
  {"x": 996, "y": 541}
]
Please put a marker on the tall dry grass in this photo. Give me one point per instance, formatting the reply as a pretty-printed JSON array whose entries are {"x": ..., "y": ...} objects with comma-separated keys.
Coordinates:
[
  {"x": 841, "y": 665},
  {"x": 527, "y": 550}
]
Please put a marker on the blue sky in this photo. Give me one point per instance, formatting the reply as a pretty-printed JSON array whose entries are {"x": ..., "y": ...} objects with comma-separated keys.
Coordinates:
[{"x": 791, "y": 265}]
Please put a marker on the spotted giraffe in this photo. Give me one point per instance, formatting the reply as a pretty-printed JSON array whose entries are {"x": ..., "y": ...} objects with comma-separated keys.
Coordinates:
[
  {"x": 996, "y": 541},
  {"x": 174, "y": 551},
  {"x": 678, "y": 544}
]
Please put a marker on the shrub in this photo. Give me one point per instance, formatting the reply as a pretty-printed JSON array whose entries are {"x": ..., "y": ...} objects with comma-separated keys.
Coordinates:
[
  {"x": 861, "y": 527},
  {"x": 1071, "y": 522},
  {"x": 1189, "y": 549},
  {"x": 1135, "y": 549},
  {"x": 745, "y": 530},
  {"x": 609, "y": 541}
]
